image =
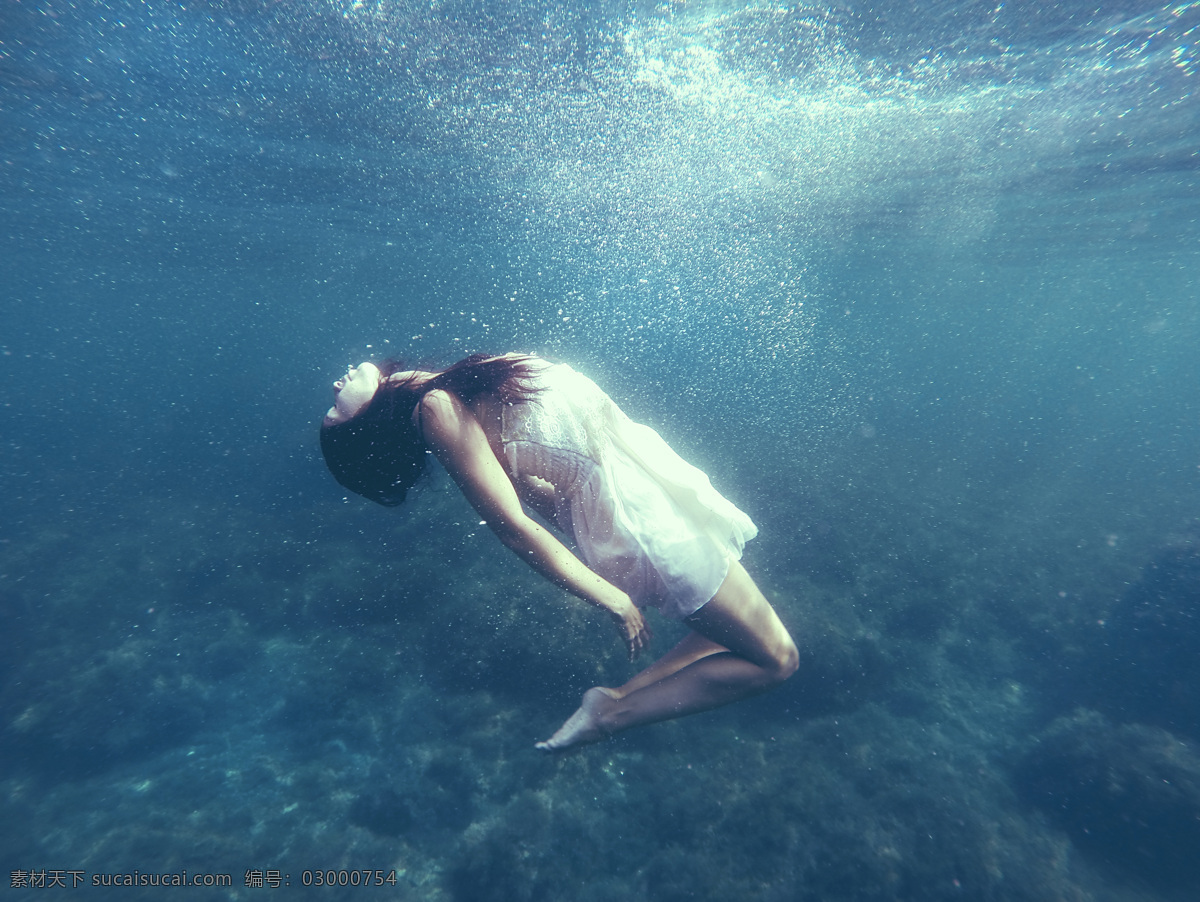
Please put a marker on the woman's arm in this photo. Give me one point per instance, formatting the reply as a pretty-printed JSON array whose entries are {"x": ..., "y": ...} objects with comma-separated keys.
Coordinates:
[{"x": 456, "y": 438}]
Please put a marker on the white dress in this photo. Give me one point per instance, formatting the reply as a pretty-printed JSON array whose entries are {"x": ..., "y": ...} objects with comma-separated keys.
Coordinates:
[{"x": 642, "y": 517}]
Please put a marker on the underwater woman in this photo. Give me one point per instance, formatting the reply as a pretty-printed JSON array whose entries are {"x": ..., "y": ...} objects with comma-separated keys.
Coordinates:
[{"x": 516, "y": 432}]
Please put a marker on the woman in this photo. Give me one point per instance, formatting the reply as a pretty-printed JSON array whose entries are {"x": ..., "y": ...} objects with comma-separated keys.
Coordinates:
[{"x": 515, "y": 430}]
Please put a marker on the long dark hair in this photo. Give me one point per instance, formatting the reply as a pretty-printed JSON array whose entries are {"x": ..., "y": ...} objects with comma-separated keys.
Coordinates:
[{"x": 379, "y": 453}]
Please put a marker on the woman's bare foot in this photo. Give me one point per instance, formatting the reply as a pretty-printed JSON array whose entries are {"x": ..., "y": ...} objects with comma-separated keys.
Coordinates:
[{"x": 583, "y": 726}]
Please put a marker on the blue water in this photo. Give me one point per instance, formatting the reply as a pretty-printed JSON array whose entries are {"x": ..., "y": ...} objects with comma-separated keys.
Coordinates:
[{"x": 914, "y": 283}]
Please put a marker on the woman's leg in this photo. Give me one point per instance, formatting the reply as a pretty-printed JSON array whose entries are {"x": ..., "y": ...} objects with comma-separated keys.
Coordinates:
[
  {"x": 691, "y": 647},
  {"x": 753, "y": 653}
]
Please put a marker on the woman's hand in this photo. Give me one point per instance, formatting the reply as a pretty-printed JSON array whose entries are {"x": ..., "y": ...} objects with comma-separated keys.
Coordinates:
[{"x": 634, "y": 629}]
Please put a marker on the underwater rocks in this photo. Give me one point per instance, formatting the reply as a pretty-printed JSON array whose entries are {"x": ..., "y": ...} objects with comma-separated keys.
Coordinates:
[
  {"x": 440, "y": 800},
  {"x": 1148, "y": 669},
  {"x": 836, "y": 672},
  {"x": 384, "y": 812},
  {"x": 125, "y": 703},
  {"x": 1121, "y": 773},
  {"x": 540, "y": 847},
  {"x": 1130, "y": 794}
]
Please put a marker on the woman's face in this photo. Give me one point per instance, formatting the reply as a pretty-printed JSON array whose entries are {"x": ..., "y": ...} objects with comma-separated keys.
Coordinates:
[{"x": 352, "y": 392}]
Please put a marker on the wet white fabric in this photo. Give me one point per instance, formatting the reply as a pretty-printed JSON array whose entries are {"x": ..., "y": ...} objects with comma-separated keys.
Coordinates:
[{"x": 642, "y": 517}]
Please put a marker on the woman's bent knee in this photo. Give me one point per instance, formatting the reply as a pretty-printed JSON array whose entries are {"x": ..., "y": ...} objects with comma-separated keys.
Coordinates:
[
  {"x": 740, "y": 618},
  {"x": 786, "y": 660}
]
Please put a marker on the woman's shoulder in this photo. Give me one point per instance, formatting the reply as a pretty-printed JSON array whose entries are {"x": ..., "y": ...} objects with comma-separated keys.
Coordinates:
[{"x": 441, "y": 411}]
